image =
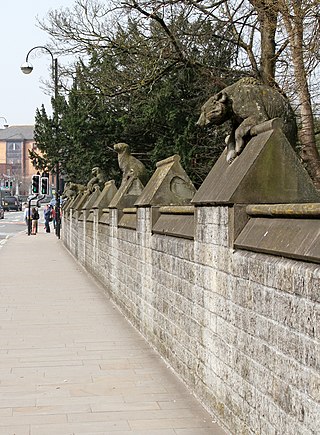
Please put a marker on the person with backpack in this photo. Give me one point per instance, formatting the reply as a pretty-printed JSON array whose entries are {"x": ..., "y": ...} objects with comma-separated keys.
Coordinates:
[{"x": 35, "y": 217}]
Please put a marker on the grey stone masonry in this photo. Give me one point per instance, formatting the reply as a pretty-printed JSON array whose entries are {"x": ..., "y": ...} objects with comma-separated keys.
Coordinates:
[
  {"x": 241, "y": 329},
  {"x": 239, "y": 326}
]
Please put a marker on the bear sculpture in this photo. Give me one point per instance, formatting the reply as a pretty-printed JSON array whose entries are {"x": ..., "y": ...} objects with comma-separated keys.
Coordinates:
[
  {"x": 71, "y": 190},
  {"x": 246, "y": 104}
]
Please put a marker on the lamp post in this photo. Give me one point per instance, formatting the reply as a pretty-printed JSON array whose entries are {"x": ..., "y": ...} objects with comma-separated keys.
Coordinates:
[
  {"x": 27, "y": 68},
  {"x": 5, "y": 123}
]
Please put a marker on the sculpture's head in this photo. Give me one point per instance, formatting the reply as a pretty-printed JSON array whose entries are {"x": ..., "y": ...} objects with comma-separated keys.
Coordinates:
[
  {"x": 215, "y": 111},
  {"x": 95, "y": 170},
  {"x": 121, "y": 148}
]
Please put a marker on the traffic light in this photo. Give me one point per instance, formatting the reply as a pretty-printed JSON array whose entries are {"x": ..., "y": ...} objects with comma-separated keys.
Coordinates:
[
  {"x": 7, "y": 184},
  {"x": 35, "y": 187},
  {"x": 44, "y": 185}
]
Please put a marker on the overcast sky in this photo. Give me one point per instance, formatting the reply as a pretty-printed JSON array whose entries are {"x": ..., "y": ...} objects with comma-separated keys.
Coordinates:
[{"x": 21, "y": 94}]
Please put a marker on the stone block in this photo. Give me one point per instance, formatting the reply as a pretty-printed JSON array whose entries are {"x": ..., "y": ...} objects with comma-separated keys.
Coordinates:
[
  {"x": 127, "y": 194},
  {"x": 169, "y": 185},
  {"x": 104, "y": 198},
  {"x": 177, "y": 221},
  {"x": 91, "y": 199},
  {"x": 80, "y": 200},
  {"x": 293, "y": 238},
  {"x": 267, "y": 171}
]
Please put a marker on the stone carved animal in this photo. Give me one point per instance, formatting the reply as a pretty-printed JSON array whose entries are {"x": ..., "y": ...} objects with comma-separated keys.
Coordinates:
[
  {"x": 72, "y": 189},
  {"x": 246, "y": 104},
  {"x": 129, "y": 165},
  {"x": 97, "y": 181}
]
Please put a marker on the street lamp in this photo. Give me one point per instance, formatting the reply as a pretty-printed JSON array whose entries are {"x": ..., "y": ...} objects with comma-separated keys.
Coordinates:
[
  {"x": 5, "y": 124},
  {"x": 27, "y": 68}
]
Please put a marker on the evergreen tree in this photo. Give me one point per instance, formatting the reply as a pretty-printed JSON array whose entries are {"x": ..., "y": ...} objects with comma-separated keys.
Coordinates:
[{"x": 123, "y": 95}]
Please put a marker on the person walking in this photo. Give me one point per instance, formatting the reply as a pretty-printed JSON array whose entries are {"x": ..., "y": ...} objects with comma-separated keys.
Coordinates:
[
  {"x": 53, "y": 215},
  {"x": 35, "y": 217},
  {"x": 47, "y": 218},
  {"x": 27, "y": 216}
]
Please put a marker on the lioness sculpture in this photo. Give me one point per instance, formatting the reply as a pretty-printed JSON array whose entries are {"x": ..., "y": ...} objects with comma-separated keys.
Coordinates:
[
  {"x": 246, "y": 104},
  {"x": 129, "y": 165}
]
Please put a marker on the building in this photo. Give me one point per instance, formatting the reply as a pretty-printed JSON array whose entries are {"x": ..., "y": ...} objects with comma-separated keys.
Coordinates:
[{"x": 16, "y": 168}]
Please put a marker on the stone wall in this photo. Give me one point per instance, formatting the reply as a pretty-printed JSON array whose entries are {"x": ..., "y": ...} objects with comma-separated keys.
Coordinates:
[
  {"x": 229, "y": 298},
  {"x": 240, "y": 328}
]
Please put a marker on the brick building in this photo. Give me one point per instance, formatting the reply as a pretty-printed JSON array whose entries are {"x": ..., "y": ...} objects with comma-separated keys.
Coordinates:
[{"x": 16, "y": 168}]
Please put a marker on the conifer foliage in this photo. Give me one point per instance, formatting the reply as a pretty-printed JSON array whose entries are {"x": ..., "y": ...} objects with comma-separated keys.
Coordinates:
[{"x": 143, "y": 85}]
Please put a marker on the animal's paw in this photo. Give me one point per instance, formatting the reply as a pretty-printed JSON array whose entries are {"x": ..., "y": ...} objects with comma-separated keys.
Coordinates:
[
  {"x": 231, "y": 155},
  {"x": 239, "y": 145}
]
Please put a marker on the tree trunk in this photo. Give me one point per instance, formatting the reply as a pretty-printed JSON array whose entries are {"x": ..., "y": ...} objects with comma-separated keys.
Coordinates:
[
  {"x": 267, "y": 14},
  {"x": 309, "y": 151}
]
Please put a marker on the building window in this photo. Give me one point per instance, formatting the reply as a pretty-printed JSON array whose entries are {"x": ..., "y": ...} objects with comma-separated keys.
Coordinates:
[{"x": 14, "y": 152}]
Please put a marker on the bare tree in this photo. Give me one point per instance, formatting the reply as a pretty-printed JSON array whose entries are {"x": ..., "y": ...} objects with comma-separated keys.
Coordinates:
[
  {"x": 274, "y": 40},
  {"x": 301, "y": 21},
  {"x": 288, "y": 34}
]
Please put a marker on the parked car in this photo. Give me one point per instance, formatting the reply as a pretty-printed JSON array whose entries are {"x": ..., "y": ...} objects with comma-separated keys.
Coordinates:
[
  {"x": 11, "y": 203},
  {"x": 23, "y": 198},
  {"x": 1, "y": 212}
]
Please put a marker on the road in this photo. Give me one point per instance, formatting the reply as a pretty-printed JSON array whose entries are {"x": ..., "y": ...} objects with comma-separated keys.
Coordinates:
[{"x": 12, "y": 224}]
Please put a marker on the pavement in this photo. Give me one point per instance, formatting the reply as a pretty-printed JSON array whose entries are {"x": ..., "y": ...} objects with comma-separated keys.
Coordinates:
[{"x": 70, "y": 363}]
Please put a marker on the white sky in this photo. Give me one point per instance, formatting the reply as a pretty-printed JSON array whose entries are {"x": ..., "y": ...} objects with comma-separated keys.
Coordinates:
[{"x": 21, "y": 94}]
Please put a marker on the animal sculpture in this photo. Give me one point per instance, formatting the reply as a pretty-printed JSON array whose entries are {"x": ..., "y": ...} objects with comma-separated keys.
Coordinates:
[
  {"x": 246, "y": 104},
  {"x": 130, "y": 165}
]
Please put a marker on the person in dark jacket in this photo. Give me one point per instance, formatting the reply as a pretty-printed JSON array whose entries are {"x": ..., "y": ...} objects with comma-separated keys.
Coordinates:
[
  {"x": 35, "y": 217},
  {"x": 47, "y": 218}
]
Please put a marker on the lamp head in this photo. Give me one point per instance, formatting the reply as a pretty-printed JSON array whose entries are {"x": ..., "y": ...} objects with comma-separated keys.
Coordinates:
[
  {"x": 5, "y": 122},
  {"x": 26, "y": 68}
]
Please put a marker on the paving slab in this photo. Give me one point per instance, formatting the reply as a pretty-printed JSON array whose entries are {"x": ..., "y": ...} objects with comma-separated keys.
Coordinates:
[{"x": 70, "y": 363}]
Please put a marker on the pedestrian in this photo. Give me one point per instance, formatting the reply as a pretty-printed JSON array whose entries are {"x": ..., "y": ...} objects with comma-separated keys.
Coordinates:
[
  {"x": 27, "y": 216},
  {"x": 35, "y": 217},
  {"x": 53, "y": 215},
  {"x": 47, "y": 218}
]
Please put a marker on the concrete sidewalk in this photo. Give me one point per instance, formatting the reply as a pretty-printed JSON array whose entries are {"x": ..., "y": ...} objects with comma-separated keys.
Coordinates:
[{"x": 69, "y": 361}]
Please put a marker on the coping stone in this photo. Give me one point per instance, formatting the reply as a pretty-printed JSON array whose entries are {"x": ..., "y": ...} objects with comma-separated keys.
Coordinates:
[
  {"x": 268, "y": 170},
  {"x": 169, "y": 185},
  {"x": 293, "y": 238},
  {"x": 106, "y": 195},
  {"x": 127, "y": 193},
  {"x": 92, "y": 199}
]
